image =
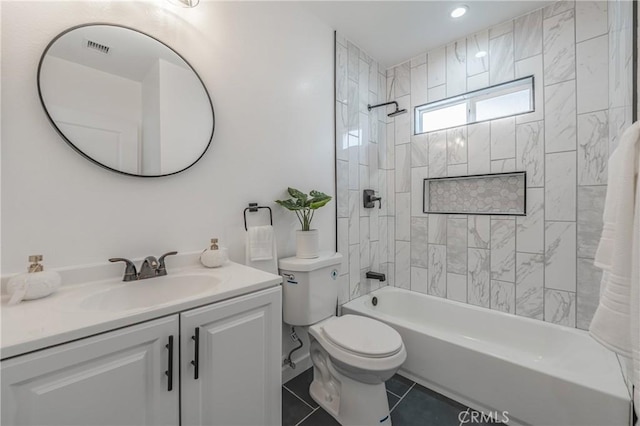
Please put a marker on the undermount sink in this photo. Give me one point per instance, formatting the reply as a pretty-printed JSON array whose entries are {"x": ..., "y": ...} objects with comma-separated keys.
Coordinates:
[{"x": 149, "y": 292}]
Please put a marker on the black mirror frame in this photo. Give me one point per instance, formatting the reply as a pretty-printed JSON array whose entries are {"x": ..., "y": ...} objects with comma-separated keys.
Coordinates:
[{"x": 78, "y": 150}]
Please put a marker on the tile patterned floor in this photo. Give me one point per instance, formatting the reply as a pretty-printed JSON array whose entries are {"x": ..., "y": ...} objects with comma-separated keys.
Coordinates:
[{"x": 411, "y": 404}]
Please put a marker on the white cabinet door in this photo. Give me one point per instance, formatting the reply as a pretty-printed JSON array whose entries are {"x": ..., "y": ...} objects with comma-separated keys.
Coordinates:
[
  {"x": 239, "y": 369},
  {"x": 116, "y": 378}
]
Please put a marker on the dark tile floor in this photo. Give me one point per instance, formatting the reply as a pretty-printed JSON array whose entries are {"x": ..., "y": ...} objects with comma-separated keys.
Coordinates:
[{"x": 410, "y": 403}]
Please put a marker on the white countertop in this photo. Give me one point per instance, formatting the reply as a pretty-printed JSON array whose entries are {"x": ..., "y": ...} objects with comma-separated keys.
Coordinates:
[{"x": 60, "y": 318}]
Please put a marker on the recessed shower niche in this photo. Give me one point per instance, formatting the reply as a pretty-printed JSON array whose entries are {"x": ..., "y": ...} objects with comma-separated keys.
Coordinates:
[{"x": 125, "y": 101}]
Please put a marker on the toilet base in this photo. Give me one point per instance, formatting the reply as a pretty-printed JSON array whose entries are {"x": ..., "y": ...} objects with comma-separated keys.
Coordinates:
[{"x": 350, "y": 402}]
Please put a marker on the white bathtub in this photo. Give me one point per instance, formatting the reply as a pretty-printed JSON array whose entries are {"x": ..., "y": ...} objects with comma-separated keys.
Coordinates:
[{"x": 541, "y": 374}]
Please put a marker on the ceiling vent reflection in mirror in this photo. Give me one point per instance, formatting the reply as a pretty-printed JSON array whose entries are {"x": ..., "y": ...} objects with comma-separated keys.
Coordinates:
[{"x": 97, "y": 47}]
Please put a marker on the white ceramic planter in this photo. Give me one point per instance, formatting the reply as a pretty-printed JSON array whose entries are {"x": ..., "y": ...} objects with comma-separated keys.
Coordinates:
[{"x": 307, "y": 244}]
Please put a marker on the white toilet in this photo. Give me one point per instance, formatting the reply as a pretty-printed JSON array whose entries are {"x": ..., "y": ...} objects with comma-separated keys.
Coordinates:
[{"x": 352, "y": 355}]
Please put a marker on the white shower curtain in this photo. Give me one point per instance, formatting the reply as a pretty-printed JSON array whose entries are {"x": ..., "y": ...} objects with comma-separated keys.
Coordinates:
[{"x": 616, "y": 323}]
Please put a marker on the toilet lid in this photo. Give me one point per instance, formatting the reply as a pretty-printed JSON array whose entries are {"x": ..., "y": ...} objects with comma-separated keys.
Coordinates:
[{"x": 363, "y": 336}]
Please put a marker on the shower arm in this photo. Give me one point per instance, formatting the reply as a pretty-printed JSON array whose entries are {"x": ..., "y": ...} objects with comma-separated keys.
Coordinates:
[{"x": 370, "y": 107}]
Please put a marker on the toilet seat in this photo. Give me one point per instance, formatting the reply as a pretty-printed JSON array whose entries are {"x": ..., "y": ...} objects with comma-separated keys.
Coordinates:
[{"x": 362, "y": 336}]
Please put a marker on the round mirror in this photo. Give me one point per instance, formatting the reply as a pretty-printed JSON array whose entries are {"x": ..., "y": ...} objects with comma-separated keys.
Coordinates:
[{"x": 125, "y": 101}]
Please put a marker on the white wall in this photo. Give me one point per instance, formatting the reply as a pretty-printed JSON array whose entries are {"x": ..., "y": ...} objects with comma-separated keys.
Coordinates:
[{"x": 269, "y": 70}]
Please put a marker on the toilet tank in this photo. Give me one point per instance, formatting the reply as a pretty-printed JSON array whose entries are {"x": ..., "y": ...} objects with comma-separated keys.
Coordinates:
[{"x": 309, "y": 288}]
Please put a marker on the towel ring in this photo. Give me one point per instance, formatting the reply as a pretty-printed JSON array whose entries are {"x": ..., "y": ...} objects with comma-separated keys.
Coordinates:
[{"x": 254, "y": 207}]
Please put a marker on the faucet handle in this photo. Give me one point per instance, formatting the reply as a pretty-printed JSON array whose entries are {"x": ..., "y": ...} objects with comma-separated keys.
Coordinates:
[
  {"x": 130, "y": 273},
  {"x": 162, "y": 269}
]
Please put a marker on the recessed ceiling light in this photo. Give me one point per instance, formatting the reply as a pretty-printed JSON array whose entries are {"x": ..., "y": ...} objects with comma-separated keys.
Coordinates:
[
  {"x": 481, "y": 54},
  {"x": 459, "y": 11}
]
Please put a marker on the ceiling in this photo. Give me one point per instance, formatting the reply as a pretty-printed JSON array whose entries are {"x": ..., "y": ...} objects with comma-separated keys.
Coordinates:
[{"x": 394, "y": 31}]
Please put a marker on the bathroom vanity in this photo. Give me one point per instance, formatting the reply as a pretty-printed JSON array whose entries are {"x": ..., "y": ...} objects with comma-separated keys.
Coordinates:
[{"x": 150, "y": 352}]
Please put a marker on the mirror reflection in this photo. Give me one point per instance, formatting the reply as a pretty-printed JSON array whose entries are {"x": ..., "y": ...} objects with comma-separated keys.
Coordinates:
[{"x": 125, "y": 100}]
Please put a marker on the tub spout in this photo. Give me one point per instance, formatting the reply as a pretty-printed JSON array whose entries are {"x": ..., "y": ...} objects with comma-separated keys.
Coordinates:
[{"x": 376, "y": 276}]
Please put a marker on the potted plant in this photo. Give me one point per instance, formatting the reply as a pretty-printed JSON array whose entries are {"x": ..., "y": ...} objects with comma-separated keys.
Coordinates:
[{"x": 304, "y": 206}]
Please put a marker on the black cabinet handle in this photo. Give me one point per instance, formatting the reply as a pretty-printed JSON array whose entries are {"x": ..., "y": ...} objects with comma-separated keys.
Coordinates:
[
  {"x": 196, "y": 358},
  {"x": 169, "y": 371}
]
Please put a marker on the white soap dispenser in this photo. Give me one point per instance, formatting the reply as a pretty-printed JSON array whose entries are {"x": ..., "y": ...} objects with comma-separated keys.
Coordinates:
[
  {"x": 36, "y": 283},
  {"x": 215, "y": 256}
]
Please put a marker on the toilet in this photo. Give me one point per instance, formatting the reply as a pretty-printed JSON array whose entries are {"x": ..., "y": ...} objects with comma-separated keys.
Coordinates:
[{"x": 352, "y": 355}]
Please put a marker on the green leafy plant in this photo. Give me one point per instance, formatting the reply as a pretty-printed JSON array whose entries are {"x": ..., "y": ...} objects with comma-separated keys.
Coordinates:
[{"x": 304, "y": 205}]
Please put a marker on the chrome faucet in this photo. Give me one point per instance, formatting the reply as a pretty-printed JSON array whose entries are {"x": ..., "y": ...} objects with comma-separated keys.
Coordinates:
[{"x": 150, "y": 268}]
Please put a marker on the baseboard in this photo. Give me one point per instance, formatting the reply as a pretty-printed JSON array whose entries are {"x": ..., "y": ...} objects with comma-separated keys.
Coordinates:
[{"x": 302, "y": 364}]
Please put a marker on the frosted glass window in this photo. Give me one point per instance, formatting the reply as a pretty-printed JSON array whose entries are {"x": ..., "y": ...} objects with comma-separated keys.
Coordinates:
[{"x": 504, "y": 100}]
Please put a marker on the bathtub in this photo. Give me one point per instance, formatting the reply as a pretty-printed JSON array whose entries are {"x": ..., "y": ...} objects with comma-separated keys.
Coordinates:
[{"x": 532, "y": 372}]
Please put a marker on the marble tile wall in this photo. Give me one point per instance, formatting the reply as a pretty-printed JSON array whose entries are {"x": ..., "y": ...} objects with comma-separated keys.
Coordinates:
[
  {"x": 364, "y": 161},
  {"x": 539, "y": 266}
]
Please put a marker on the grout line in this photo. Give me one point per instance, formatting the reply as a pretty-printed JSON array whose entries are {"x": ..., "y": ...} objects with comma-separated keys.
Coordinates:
[
  {"x": 394, "y": 394},
  {"x": 294, "y": 394},
  {"x": 307, "y": 416},
  {"x": 402, "y": 397}
]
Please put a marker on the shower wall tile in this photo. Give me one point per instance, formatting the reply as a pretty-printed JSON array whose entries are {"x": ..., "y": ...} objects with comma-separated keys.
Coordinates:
[
  {"x": 559, "y": 47},
  {"x": 403, "y": 121},
  {"x": 403, "y": 264},
  {"x": 420, "y": 150},
  {"x": 503, "y": 138},
  {"x": 457, "y": 287},
  {"x": 437, "y": 270},
  {"x": 476, "y": 43},
  {"x": 592, "y": 74},
  {"x": 560, "y": 307},
  {"x": 503, "y": 250},
  {"x": 591, "y": 19},
  {"x": 557, "y": 8},
  {"x": 374, "y": 217},
  {"x": 342, "y": 60},
  {"x": 502, "y": 59},
  {"x": 354, "y": 270},
  {"x": 588, "y": 293},
  {"x": 560, "y": 186},
  {"x": 353, "y": 108},
  {"x": 501, "y": 29},
  {"x": 456, "y": 68},
  {"x": 403, "y": 216},
  {"x": 478, "y": 277},
  {"x": 530, "y": 151},
  {"x": 418, "y": 85},
  {"x": 363, "y": 85},
  {"x": 354, "y": 217},
  {"x": 391, "y": 239},
  {"x": 342, "y": 188},
  {"x": 419, "y": 60},
  {"x": 457, "y": 170},
  {"x": 343, "y": 289},
  {"x": 478, "y": 81},
  {"x": 438, "y": 154},
  {"x": 524, "y": 68},
  {"x": 402, "y": 79},
  {"x": 437, "y": 93},
  {"x": 457, "y": 145},
  {"x": 342, "y": 132},
  {"x": 560, "y": 256},
  {"x": 528, "y": 35},
  {"x": 530, "y": 285},
  {"x": 437, "y": 229},
  {"x": 530, "y": 228},
  {"x": 363, "y": 148},
  {"x": 593, "y": 148},
  {"x": 590, "y": 209},
  {"x": 503, "y": 166},
  {"x": 391, "y": 199},
  {"x": 479, "y": 231},
  {"x": 419, "y": 242},
  {"x": 365, "y": 257},
  {"x": 479, "y": 146},
  {"x": 403, "y": 168},
  {"x": 560, "y": 117},
  {"x": 353, "y": 61},
  {"x": 418, "y": 175},
  {"x": 436, "y": 67},
  {"x": 457, "y": 246},
  {"x": 503, "y": 296},
  {"x": 343, "y": 244},
  {"x": 419, "y": 279}
]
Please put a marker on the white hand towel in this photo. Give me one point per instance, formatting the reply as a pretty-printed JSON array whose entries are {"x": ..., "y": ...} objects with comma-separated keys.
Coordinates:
[
  {"x": 260, "y": 242},
  {"x": 265, "y": 259},
  {"x": 616, "y": 323}
]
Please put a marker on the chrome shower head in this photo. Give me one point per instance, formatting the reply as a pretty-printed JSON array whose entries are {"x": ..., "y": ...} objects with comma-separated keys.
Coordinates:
[
  {"x": 396, "y": 112},
  {"x": 392, "y": 114}
]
